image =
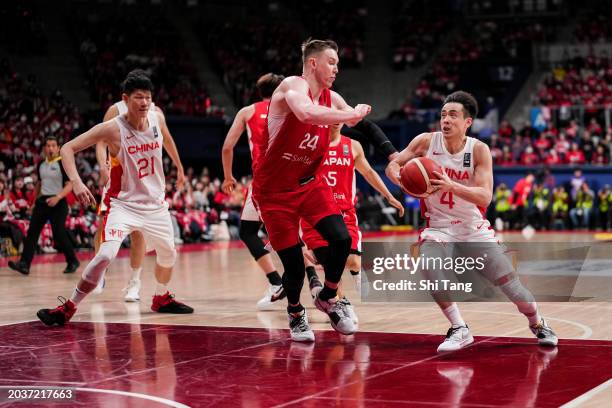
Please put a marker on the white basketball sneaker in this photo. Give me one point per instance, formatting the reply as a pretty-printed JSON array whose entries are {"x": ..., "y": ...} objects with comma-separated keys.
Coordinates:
[
  {"x": 456, "y": 338},
  {"x": 339, "y": 315},
  {"x": 132, "y": 291},
  {"x": 350, "y": 309},
  {"x": 545, "y": 335},
  {"x": 273, "y": 294},
  {"x": 300, "y": 329}
]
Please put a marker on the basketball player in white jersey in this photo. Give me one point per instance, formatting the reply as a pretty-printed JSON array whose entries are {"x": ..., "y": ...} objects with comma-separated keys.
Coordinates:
[
  {"x": 253, "y": 119},
  {"x": 137, "y": 243},
  {"x": 455, "y": 211},
  {"x": 135, "y": 198}
]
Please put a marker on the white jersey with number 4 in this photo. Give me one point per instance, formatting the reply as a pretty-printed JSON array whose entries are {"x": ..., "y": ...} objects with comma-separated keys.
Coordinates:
[
  {"x": 444, "y": 209},
  {"x": 138, "y": 179}
]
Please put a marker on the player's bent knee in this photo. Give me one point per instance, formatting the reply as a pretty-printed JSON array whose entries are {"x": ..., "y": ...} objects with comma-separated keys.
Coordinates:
[
  {"x": 94, "y": 271},
  {"x": 166, "y": 257},
  {"x": 248, "y": 233}
]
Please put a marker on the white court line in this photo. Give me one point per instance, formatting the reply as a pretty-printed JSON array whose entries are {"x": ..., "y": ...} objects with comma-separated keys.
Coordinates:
[
  {"x": 42, "y": 381},
  {"x": 160, "y": 400},
  {"x": 576, "y": 402}
]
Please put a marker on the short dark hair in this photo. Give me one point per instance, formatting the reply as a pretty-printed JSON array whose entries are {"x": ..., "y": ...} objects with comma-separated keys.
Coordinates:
[
  {"x": 470, "y": 106},
  {"x": 51, "y": 138},
  {"x": 311, "y": 46},
  {"x": 266, "y": 84},
  {"x": 136, "y": 79}
]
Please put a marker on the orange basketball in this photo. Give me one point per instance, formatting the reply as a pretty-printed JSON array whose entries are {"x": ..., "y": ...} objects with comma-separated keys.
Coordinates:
[{"x": 416, "y": 176}]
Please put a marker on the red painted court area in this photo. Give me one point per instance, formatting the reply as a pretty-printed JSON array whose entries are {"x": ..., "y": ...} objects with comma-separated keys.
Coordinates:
[{"x": 122, "y": 364}]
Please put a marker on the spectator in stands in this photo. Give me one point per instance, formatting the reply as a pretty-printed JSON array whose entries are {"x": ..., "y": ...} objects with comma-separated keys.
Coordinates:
[
  {"x": 539, "y": 211},
  {"x": 560, "y": 208},
  {"x": 605, "y": 207},
  {"x": 8, "y": 229},
  {"x": 552, "y": 158},
  {"x": 529, "y": 157},
  {"x": 576, "y": 183},
  {"x": 575, "y": 156},
  {"x": 587, "y": 146},
  {"x": 581, "y": 213},
  {"x": 600, "y": 157}
]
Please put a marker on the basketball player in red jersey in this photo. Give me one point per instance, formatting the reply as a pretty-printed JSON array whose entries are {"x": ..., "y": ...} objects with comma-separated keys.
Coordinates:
[
  {"x": 343, "y": 157},
  {"x": 287, "y": 186},
  {"x": 253, "y": 119},
  {"x": 137, "y": 243},
  {"x": 135, "y": 199},
  {"x": 454, "y": 212}
]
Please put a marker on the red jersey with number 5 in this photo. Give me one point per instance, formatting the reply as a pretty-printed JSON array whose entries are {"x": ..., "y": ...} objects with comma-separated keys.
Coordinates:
[
  {"x": 338, "y": 169},
  {"x": 291, "y": 151},
  {"x": 255, "y": 128}
]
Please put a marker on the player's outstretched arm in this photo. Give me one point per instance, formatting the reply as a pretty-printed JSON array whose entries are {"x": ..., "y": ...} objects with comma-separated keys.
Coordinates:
[
  {"x": 94, "y": 135},
  {"x": 416, "y": 148},
  {"x": 295, "y": 93},
  {"x": 227, "y": 153},
  {"x": 374, "y": 134},
  {"x": 372, "y": 177},
  {"x": 481, "y": 193}
]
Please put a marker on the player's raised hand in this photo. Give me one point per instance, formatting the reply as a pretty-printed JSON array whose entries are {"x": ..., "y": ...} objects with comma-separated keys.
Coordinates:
[
  {"x": 396, "y": 204},
  {"x": 229, "y": 185},
  {"x": 83, "y": 194}
]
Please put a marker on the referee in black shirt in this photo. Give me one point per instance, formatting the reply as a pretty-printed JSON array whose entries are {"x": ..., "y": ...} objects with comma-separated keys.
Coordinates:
[{"x": 51, "y": 192}]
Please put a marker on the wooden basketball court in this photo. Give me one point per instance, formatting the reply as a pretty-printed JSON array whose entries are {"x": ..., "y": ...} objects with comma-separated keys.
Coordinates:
[{"x": 227, "y": 353}]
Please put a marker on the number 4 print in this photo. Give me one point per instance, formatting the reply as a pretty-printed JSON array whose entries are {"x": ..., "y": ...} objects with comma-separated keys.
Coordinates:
[{"x": 447, "y": 198}]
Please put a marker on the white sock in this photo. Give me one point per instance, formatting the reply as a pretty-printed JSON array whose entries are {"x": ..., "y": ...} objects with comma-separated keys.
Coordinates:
[
  {"x": 161, "y": 289},
  {"x": 136, "y": 273},
  {"x": 77, "y": 296},
  {"x": 453, "y": 315}
]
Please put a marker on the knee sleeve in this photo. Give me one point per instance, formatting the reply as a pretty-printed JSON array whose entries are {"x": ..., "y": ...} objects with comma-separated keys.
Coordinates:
[
  {"x": 293, "y": 278},
  {"x": 166, "y": 256},
  {"x": 94, "y": 270},
  {"x": 249, "y": 231},
  {"x": 520, "y": 296}
]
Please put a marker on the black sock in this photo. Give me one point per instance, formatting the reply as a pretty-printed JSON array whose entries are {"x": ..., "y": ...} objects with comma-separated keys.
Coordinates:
[
  {"x": 327, "y": 293},
  {"x": 354, "y": 273},
  {"x": 274, "y": 278},
  {"x": 310, "y": 272},
  {"x": 295, "y": 309}
]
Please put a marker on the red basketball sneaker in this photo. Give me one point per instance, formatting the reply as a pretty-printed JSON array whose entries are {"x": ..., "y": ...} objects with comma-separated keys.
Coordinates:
[
  {"x": 166, "y": 304},
  {"x": 60, "y": 315}
]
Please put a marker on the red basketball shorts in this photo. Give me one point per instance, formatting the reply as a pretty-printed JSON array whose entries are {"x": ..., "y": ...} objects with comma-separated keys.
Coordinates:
[
  {"x": 314, "y": 240},
  {"x": 281, "y": 211}
]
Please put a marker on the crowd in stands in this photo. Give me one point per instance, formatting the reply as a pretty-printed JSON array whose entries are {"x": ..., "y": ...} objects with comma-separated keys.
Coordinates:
[
  {"x": 114, "y": 39},
  {"x": 540, "y": 202},
  {"x": 569, "y": 145},
  {"x": 244, "y": 49},
  {"x": 416, "y": 29},
  {"x": 577, "y": 81},
  {"x": 477, "y": 42},
  {"x": 596, "y": 25}
]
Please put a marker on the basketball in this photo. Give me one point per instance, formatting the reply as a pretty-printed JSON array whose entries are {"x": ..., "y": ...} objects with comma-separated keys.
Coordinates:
[{"x": 416, "y": 176}]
